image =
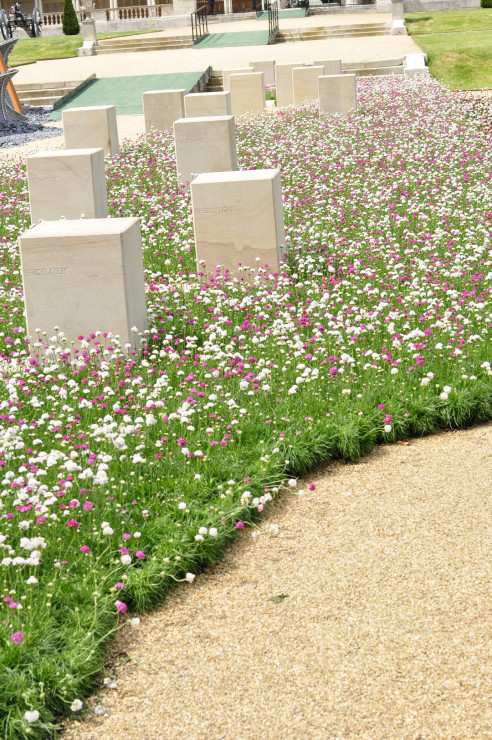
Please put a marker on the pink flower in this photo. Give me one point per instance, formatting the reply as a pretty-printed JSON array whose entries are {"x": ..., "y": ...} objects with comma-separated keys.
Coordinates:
[
  {"x": 127, "y": 536},
  {"x": 124, "y": 550},
  {"x": 88, "y": 505},
  {"x": 333, "y": 371},
  {"x": 312, "y": 487},
  {"x": 181, "y": 442},
  {"x": 239, "y": 525},
  {"x": 140, "y": 555},
  {"x": 85, "y": 548},
  {"x": 119, "y": 585},
  {"x": 72, "y": 523},
  {"x": 380, "y": 406},
  {"x": 17, "y": 637},
  {"x": 121, "y": 606}
]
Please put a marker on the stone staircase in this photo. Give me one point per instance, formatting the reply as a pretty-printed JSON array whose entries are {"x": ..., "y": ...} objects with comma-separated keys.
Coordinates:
[
  {"x": 333, "y": 32},
  {"x": 139, "y": 43},
  {"x": 46, "y": 93}
]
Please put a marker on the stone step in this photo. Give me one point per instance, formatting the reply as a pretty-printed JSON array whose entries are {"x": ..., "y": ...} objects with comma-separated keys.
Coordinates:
[
  {"x": 375, "y": 71},
  {"x": 120, "y": 49},
  {"x": 35, "y": 86},
  {"x": 48, "y": 93},
  {"x": 38, "y": 102}
]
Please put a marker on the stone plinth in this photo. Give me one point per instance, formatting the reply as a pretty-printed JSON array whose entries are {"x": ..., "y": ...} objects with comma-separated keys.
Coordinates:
[
  {"x": 398, "y": 27},
  {"x": 247, "y": 94},
  {"x": 305, "y": 84},
  {"x": 204, "y": 145},
  {"x": 86, "y": 128},
  {"x": 226, "y": 73},
  {"x": 283, "y": 78},
  {"x": 331, "y": 66},
  {"x": 238, "y": 219},
  {"x": 268, "y": 69},
  {"x": 415, "y": 64},
  {"x": 67, "y": 184},
  {"x": 84, "y": 276},
  {"x": 337, "y": 94},
  {"x": 89, "y": 37},
  {"x": 207, "y": 104},
  {"x": 161, "y": 108}
]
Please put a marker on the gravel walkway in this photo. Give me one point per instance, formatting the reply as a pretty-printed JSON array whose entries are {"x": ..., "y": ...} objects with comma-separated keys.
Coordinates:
[{"x": 384, "y": 631}]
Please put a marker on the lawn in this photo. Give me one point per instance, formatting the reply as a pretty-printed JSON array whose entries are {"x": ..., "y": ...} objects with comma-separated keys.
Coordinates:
[
  {"x": 458, "y": 44},
  {"x": 55, "y": 47},
  {"x": 123, "y": 473}
]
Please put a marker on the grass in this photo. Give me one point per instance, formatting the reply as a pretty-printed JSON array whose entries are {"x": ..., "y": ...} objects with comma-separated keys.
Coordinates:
[
  {"x": 122, "y": 473},
  {"x": 458, "y": 44},
  {"x": 55, "y": 47}
]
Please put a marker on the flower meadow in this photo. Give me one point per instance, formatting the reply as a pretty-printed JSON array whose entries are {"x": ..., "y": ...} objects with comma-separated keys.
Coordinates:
[{"x": 124, "y": 472}]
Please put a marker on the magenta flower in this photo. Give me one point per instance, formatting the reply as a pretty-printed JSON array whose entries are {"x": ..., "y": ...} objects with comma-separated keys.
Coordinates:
[
  {"x": 140, "y": 555},
  {"x": 85, "y": 548},
  {"x": 72, "y": 523},
  {"x": 119, "y": 585},
  {"x": 88, "y": 505},
  {"x": 17, "y": 637},
  {"x": 239, "y": 525},
  {"x": 121, "y": 606}
]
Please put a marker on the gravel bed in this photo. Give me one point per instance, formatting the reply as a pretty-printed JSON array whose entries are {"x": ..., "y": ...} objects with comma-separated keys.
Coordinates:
[
  {"x": 378, "y": 628},
  {"x": 34, "y": 126}
]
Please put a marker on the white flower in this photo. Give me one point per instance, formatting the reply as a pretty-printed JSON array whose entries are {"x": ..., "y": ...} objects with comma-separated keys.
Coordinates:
[
  {"x": 292, "y": 482},
  {"x": 31, "y": 716},
  {"x": 444, "y": 396},
  {"x": 181, "y": 505},
  {"x": 387, "y": 428},
  {"x": 126, "y": 559},
  {"x": 199, "y": 537},
  {"x": 76, "y": 705},
  {"x": 203, "y": 530},
  {"x": 137, "y": 535},
  {"x": 212, "y": 532},
  {"x": 447, "y": 389},
  {"x": 31, "y": 581},
  {"x": 424, "y": 382},
  {"x": 273, "y": 529},
  {"x": 134, "y": 622},
  {"x": 108, "y": 531},
  {"x": 190, "y": 577}
]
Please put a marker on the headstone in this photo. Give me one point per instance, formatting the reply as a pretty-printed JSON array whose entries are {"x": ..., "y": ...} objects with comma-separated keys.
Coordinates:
[
  {"x": 86, "y": 128},
  {"x": 226, "y": 73},
  {"x": 247, "y": 93},
  {"x": 268, "y": 69},
  {"x": 89, "y": 36},
  {"x": 67, "y": 183},
  {"x": 207, "y": 104},
  {"x": 204, "y": 145},
  {"x": 283, "y": 81},
  {"x": 337, "y": 94},
  {"x": 84, "y": 276},
  {"x": 305, "y": 84},
  {"x": 238, "y": 219},
  {"x": 331, "y": 66},
  {"x": 161, "y": 108}
]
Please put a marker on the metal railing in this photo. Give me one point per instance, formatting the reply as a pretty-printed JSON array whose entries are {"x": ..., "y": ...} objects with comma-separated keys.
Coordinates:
[
  {"x": 272, "y": 21},
  {"x": 199, "y": 24}
]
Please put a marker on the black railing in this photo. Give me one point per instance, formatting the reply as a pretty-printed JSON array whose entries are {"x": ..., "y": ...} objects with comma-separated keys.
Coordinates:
[
  {"x": 199, "y": 23},
  {"x": 272, "y": 21}
]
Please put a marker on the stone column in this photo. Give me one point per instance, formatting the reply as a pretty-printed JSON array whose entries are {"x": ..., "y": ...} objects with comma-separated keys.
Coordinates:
[{"x": 397, "y": 18}]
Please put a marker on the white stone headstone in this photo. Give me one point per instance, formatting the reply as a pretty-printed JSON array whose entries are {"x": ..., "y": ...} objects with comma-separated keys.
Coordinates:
[
  {"x": 67, "y": 183},
  {"x": 305, "y": 84},
  {"x": 331, "y": 66},
  {"x": 337, "y": 94},
  {"x": 161, "y": 108},
  {"x": 84, "y": 276},
  {"x": 226, "y": 73},
  {"x": 415, "y": 64},
  {"x": 247, "y": 94},
  {"x": 204, "y": 145},
  {"x": 238, "y": 220},
  {"x": 283, "y": 77},
  {"x": 268, "y": 69},
  {"x": 207, "y": 104},
  {"x": 86, "y": 128}
]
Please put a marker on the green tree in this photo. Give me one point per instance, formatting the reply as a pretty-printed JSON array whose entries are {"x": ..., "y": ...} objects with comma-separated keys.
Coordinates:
[{"x": 70, "y": 22}]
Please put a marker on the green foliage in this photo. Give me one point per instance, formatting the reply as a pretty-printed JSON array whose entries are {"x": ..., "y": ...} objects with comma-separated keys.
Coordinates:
[
  {"x": 70, "y": 21},
  {"x": 486, "y": 3}
]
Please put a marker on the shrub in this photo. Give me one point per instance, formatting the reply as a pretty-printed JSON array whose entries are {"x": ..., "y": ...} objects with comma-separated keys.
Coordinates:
[
  {"x": 70, "y": 22},
  {"x": 486, "y": 3}
]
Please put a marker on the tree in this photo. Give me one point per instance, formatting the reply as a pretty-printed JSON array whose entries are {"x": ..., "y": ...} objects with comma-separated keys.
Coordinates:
[{"x": 70, "y": 22}]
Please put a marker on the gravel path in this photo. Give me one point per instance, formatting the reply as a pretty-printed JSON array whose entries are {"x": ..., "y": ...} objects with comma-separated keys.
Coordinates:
[{"x": 384, "y": 631}]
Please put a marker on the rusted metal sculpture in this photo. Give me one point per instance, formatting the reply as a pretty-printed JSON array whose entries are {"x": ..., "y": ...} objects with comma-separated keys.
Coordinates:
[{"x": 10, "y": 106}]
